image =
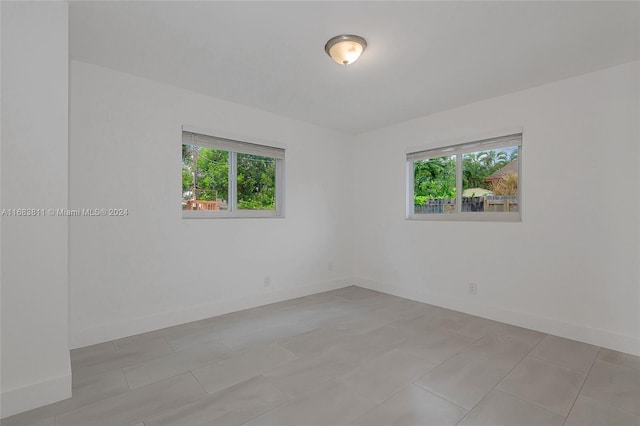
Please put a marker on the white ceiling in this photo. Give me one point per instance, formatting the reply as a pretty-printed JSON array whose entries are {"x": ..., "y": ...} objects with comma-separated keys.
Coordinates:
[{"x": 423, "y": 57}]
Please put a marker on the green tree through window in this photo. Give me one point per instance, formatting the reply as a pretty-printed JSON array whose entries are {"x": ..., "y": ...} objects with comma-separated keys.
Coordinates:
[
  {"x": 256, "y": 182},
  {"x": 229, "y": 178}
]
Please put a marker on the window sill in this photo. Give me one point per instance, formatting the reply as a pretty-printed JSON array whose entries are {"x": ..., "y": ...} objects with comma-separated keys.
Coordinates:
[
  {"x": 468, "y": 217},
  {"x": 246, "y": 214}
]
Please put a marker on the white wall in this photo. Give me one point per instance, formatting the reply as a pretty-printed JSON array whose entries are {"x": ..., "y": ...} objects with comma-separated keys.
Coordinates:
[
  {"x": 35, "y": 70},
  {"x": 152, "y": 268},
  {"x": 571, "y": 266},
  {"x": 568, "y": 268}
]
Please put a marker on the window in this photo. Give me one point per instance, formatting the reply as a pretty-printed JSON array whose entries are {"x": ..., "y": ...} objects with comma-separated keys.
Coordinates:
[
  {"x": 229, "y": 178},
  {"x": 473, "y": 181}
]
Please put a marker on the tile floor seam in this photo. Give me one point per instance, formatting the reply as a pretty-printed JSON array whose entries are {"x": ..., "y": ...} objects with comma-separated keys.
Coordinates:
[
  {"x": 166, "y": 341},
  {"x": 125, "y": 379},
  {"x": 289, "y": 399},
  {"x": 531, "y": 403},
  {"x": 198, "y": 381},
  {"x": 535, "y": 404},
  {"x": 564, "y": 367},
  {"x": 463, "y": 349},
  {"x": 582, "y": 385},
  {"x": 439, "y": 395},
  {"x": 453, "y": 355},
  {"x": 608, "y": 405},
  {"x": 424, "y": 390},
  {"x": 206, "y": 395},
  {"x": 615, "y": 364},
  {"x": 433, "y": 393},
  {"x": 376, "y": 404},
  {"x": 503, "y": 377}
]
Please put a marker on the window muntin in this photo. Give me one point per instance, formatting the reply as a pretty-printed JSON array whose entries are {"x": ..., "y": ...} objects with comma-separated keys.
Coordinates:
[
  {"x": 228, "y": 178},
  {"x": 474, "y": 181}
]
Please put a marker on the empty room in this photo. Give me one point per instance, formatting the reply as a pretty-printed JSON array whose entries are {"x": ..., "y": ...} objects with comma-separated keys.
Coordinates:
[{"x": 320, "y": 213}]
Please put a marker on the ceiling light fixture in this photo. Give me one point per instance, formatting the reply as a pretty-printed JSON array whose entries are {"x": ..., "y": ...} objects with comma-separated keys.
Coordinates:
[{"x": 345, "y": 49}]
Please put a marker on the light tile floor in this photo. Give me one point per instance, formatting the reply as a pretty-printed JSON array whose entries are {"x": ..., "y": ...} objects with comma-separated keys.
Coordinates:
[{"x": 346, "y": 357}]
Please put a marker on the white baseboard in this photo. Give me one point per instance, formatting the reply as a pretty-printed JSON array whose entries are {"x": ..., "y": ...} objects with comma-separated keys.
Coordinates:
[
  {"x": 19, "y": 400},
  {"x": 595, "y": 336},
  {"x": 117, "y": 330}
]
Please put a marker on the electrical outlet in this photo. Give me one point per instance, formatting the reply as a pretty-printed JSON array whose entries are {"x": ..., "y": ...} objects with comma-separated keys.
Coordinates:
[
  {"x": 267, "y": 280},
  {"x": 473, "y": 288}
]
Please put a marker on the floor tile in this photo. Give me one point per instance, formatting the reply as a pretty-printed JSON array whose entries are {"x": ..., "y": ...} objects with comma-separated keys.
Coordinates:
[
  {"x": 203, "y": 336},
  {"x": 178, "y": 330},
  {"x": 137, "y": 405},
  {"x": 468, "y": 325},
  {"x": 372, "y": 343},
  {"x": 81, "y": 356},
  {"x": 620, "y": 358},
  {"x": 314, "y": 341},
  {"x": 361, "y": 323},
  {"x": 123, "y": 356},
  {"x": 447, "y": 320},
  {"x": 268, "y": 334},
  {"x": 615, "y": 385},
  {"x": 28, "y": 420},
  {"x": 401, "y": 310},
  {"x": 501, "y": 409},
  {"x": 175, "y": 363},
  {"x": 386, "y": 374},
  {"x": 242, "y": 366},
  {"x": 465, "y": 378},
  {"x": 358, "y": 293},
  {"x": 262, "y": 327},
  {"x": 543, "y": 383},
  {"x": 589, "y": 412},
  {"x": 505, "y": 343},
  {"x": 413, "y": 406},
  {"x": 304, "y": 375},
  {"x": 329, "y": 406},
  {"x": 327, "y": 359},
  {"x": 369, "y": 304},
  {"x": 230, "y": 318},
  {"x": 436, "y": 346},
  {"x": 510, "y": 333},
  {"x": 86, "y": 390},
  {"x": 235, "y": 405},
  {"x": 567, "y": 353}
]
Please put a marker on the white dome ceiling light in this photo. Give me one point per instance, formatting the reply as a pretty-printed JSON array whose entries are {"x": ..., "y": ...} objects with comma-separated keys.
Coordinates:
[{"x": 345, "y": 49}]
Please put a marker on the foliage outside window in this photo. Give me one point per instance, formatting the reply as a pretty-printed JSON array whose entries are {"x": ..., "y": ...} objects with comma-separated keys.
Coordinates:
[
  {"x": 227, "y": 178},
  {"x": 475, "y": 181}
]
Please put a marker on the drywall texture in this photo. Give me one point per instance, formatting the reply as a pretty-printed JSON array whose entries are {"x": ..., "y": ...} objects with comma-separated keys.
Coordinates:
[
  {"x": 152, "y": 268},
  {"x": 571, "y": 266},
  {"x": 35, "y": 71}
]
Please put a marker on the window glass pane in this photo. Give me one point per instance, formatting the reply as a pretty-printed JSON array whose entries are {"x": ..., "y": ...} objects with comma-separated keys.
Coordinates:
[
  {"x": 205, "y": 178},
  {"x": 256, "y": 182},
  {"x": 434, "y": 185},
  {"x": 490, "y": 181}
]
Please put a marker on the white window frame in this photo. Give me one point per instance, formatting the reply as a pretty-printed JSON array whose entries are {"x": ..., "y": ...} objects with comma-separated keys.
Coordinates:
[
  {"x": 496, "y": 140},
  {"x": 237, "y": 145}
]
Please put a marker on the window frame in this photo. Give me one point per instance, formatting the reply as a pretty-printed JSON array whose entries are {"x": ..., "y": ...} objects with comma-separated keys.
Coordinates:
[
  {"x": 459, "y": 148},
  {"x": 235, "y": 145}
]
